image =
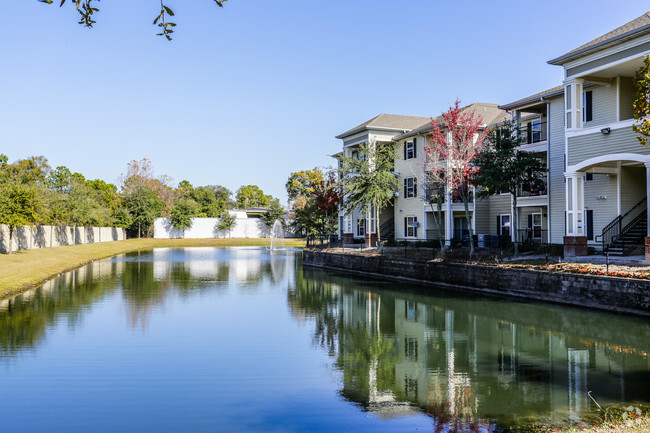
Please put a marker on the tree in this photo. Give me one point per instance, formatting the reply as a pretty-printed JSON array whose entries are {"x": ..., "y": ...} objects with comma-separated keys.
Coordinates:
[
  {"x": 641, "y": 103},
  {"x": 248, "y": 196},
  {"x": 144, "y": 205},
  {"x": 87, "y": 9},
  {"x": 502, "y": 167},
  {"x": 457, "y": 141},
  {"x": 327, "y": 197},
  {"x": 274, "y": 213},
  {"x": 19, "y": 206},
  {"x": 182, "y": 213},
  {"x": 368, "y": 182},
  {"x": 303, "y": 182},
  {"x": 226, "y": 222}
]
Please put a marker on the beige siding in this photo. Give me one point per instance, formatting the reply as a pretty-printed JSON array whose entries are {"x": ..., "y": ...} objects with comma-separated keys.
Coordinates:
[
  {"x": 413, "y": 206},
  {"x": 483, "y": 223},
  {"x": 523, "y": 222},
  {"x": 626, "y": 95},
  {"x": 556, "y": 188},
  {"x": 603, "y": 186},
  {"x": 587, "y": 146},
  {"x": 633, "y": 187},
  {"x": 499, "y": 204},
  {"x": 604, "y": 105}
]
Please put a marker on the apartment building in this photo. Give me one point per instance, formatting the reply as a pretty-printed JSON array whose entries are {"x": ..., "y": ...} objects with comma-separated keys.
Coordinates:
[{"x": 595, "y": 190}]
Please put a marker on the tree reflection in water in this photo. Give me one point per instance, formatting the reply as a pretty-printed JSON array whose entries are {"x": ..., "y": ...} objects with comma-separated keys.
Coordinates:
[{"x": 472, "y": 364}]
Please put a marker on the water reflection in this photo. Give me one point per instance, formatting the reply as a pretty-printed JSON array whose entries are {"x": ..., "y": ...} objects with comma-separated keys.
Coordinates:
[
  {"x": 146, "y": 280},
  {"x": 470, "y": 362}
]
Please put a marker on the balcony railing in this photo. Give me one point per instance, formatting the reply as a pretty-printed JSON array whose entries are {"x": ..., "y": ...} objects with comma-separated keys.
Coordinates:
[
  {"x": 533, "y": 132},
  {"x": 435, "y": 195},
  {"x": 538, "y": 186}
]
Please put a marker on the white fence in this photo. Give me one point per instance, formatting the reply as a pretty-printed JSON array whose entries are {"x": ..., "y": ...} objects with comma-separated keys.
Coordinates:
[
  {"x": 202, "y": 228},
  {"x": 25, "y": 238}
]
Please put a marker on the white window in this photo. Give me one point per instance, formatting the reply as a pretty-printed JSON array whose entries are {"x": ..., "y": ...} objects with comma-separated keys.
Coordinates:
[
  {"x": 410, "y": 151},
  {"x": 348, "y": 224},
  {"x": 361, "y": 226},
  {"x": 372, "y": 221},
  {"x": 410, "y": 187},
  {"x": 504, "y": 225},
  {"x": 411, "y": 227}
]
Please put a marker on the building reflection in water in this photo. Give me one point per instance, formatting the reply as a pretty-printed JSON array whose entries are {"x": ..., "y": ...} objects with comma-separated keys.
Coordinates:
[{"x": 472, "y": 362}]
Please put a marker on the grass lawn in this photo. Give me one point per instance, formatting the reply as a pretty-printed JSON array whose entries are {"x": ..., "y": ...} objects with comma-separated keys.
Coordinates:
[{"x": 26, "y": 269}]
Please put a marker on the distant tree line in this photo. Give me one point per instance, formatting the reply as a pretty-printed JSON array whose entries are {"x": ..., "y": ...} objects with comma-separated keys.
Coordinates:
[{"x": 33, "y": 193}]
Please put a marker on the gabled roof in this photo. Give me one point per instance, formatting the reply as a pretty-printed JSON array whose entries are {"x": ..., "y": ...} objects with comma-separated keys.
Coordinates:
[
  {"x": 393, "y": 122},
  {"x": 557, "y": 90},
  {"x": 634, "y": 28},
  {"x": 491, "y": 113}
]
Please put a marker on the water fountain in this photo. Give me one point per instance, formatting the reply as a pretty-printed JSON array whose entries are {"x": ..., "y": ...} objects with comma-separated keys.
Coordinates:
[{"x": 277, "y": 232}]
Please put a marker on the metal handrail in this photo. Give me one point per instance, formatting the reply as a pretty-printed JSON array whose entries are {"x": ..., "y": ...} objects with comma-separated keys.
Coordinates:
[{"x": 615, "y": 228}]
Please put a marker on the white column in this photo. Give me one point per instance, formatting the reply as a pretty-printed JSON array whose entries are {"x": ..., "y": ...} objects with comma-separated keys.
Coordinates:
[
  {"x": 573, "y": 103},
  {"x": 647, "y": 183},
  {"x": 575, "y": 204}
]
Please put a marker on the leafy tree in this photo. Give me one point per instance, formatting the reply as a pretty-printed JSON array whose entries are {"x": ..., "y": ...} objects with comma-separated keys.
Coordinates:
[
  {"x": 249, "y": 196},
  {"x": 274, "y": 213},
  {"x": 182, "y": 213},
  {"x": 144, "y": 205},
  {"x": 222, "y": 194},
  {"x": 226, "y": 222},
  {"x": 60, "y": 178},
  {"x": 327, "y": 197},
  {"x": 305, "y": 216},
  {"x": 20, "y": 205},
  {"x": 641, "y": 103},
  {"x": 122, "y": 218},
  {"x": 34, "y": 169},
  {"x": 208, "y": 203},
  {"x": 303, "y": 182},
  {"x": 502, "y": 167},
  {"x": 457, "y": 141},
  {"x": 368, "y": 182},
  {"x": 88, "y": 8}
]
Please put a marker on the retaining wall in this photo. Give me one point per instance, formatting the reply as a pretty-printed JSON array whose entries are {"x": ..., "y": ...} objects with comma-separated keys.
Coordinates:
[
  {"x": 592, "y": 291},
  {"x": 54, "y": 236}
]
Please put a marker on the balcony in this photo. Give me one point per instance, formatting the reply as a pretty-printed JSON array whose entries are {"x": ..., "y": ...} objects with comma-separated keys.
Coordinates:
[
  {"x": 435, "y": 194},
  {"x": 533, "y": 132},
  {"x": 536, "y": 187}
]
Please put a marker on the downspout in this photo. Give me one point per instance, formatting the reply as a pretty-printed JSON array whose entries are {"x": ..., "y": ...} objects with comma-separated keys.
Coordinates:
[
  {"x": 425, "y": 226},
  {"x": 548, "y": 168}
]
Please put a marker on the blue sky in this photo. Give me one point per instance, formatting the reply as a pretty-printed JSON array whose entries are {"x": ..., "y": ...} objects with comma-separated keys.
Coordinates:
[{"x": 251, "y": 92}]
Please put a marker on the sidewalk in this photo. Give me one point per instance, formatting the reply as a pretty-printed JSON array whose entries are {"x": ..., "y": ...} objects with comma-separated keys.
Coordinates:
[{"x": 637, "y": 261}]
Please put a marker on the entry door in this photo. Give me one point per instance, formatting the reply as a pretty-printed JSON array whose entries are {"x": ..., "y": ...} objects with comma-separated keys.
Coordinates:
[
  {"x": 461, "y": 229},
  {"x": 537, "y": 225}
]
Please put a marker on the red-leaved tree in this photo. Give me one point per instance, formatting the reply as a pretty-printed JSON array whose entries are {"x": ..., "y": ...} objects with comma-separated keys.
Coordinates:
[{"x": 453, "y": 145}]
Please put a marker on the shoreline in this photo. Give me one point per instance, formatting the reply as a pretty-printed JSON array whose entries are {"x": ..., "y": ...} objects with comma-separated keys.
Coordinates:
[
  {"x": 606, "y": 293},
  {"x": 25, "y": 270}
]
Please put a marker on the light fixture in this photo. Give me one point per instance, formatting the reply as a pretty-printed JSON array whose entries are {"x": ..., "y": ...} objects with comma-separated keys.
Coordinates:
[{"x": 606, "y": 130}]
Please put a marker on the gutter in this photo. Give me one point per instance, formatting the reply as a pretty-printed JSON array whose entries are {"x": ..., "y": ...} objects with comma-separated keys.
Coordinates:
[{"x": 548, "y": 166}]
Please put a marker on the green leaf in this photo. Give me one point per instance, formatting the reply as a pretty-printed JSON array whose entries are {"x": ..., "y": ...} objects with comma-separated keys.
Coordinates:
[{"x": 169, "y": 11}]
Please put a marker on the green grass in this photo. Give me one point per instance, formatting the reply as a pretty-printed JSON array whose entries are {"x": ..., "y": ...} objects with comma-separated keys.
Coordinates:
[{"x": 25, "y": 269}]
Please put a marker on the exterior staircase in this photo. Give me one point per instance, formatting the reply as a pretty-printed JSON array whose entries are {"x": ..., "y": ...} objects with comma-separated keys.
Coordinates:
[
  {"x": 387, "y": 230},
  {"x": 625, "y": 234}
]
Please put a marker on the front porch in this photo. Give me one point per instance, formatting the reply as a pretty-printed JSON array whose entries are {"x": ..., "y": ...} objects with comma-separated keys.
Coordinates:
[{"x": 607, "y": 206}]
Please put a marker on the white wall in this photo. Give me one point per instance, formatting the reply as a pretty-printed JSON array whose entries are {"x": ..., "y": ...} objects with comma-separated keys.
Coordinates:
[
  {"x": 203, "y": 228},
  {"x": 54, "y": 236}
]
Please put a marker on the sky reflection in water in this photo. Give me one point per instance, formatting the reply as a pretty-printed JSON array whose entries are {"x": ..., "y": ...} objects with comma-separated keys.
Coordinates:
[{"x": 241, "y": 339}]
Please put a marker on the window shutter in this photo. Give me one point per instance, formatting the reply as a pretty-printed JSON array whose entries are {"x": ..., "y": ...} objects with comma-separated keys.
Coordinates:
[
  {"x": 415, "y": 229},
  {"x": 588, "y": 106},
  {"x": 499, "y": 224},
  {"x": 406, "y": 185},
  {"x": 415, "y": 147},
  {"x": 405, "y": 144},
  {"x": 415, "y": 187},
  {"x": 406, "y": 227},
  {"x": 530, "y": 221}
]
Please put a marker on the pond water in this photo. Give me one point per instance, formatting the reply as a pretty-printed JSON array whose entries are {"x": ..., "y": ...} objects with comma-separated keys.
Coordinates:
[{"x": 246, "y": 340}]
